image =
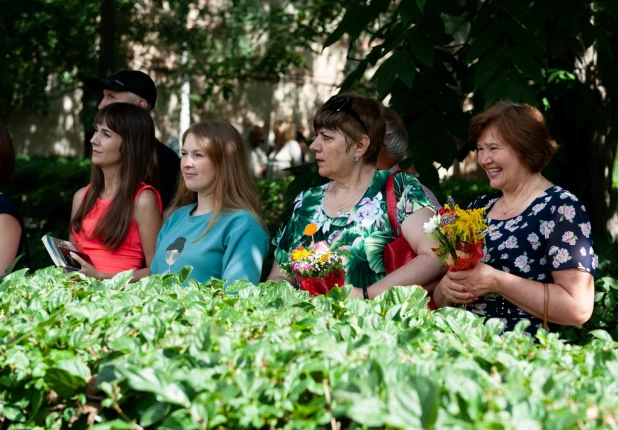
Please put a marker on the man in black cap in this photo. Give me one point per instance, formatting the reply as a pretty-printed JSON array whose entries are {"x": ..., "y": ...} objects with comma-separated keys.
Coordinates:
[{"x": 135, "y": 87}]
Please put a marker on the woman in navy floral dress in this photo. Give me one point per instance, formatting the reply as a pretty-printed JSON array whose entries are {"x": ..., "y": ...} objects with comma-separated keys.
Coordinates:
[{"x": 538, "y": 233}]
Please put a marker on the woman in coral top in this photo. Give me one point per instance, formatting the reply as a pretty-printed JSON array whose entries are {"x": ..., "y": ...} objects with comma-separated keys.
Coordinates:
[{"x": 116, "y": 218}]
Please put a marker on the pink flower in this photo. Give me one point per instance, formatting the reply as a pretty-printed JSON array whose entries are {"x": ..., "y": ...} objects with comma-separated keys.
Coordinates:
[
  {"x": 586, "y": 228},
  {"x": 511, "y": 242},
  {"x": 569, "y": 238},
  {"x": 321, "y": 247}
]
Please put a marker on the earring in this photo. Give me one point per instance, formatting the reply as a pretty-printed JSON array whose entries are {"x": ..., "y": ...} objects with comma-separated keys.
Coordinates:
[{"x": 356, "y": 159}]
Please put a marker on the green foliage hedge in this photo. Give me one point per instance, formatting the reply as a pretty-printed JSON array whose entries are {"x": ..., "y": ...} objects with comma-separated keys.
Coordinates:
[
  {"x": 152, "y": 353},
  {"x": 45, "y": 187}
]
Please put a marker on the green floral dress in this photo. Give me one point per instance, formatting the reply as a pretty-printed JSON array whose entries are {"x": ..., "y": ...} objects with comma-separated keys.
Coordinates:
[{"x": 363, "y": 231}]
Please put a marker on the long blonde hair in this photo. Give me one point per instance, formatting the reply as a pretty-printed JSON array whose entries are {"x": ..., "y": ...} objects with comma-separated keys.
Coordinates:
[{"x": 234, "y": 187}]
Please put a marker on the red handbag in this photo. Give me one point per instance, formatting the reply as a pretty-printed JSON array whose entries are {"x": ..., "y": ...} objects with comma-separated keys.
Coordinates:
[{"x": 398, "y": 252}]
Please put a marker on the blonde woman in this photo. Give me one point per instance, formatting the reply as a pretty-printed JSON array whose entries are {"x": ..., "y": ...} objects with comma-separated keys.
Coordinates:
[
  {"x": 218, "y": 222},
  {"x": 287, "y": 152}
]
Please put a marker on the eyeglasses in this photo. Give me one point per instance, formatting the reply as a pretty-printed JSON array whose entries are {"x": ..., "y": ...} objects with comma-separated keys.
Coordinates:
[{"x": 338, "y": 103}]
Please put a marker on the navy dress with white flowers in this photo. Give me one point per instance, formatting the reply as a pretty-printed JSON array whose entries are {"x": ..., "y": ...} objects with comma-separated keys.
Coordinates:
[{"x": 553, "y": 233}]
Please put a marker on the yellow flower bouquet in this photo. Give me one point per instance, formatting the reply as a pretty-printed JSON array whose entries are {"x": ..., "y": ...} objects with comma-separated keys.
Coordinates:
[
  {"x": 460, "y": 235},
  {"x": 317, "y": 269}
]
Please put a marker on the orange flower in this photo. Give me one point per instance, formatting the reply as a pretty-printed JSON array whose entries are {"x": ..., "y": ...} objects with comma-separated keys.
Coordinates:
[{"x": 311, "y": 229}]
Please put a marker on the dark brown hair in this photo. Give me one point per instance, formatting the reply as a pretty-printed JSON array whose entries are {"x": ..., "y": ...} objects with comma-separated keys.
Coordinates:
[
  {"x": 523, "y": 127},
  {"x": 233, "y": 188},
  {"x": 137, "y": 151},
  {"x": 7, "y": 155},
  {"x": 371, "y": 114}
]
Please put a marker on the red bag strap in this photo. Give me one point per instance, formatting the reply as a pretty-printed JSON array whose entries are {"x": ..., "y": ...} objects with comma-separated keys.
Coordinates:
[{"x": 391, "y": 202}]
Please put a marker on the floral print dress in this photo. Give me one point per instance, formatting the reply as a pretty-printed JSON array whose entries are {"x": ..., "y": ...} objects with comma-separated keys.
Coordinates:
[
  {"x": 363, "y": 231},
  {"x": 553, "y": 233}
]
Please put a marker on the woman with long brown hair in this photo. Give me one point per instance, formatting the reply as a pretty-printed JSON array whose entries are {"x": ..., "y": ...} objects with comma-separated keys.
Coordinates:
[
  {"x": 218, "y": 229},
  {"x": 115, "y": 219}
]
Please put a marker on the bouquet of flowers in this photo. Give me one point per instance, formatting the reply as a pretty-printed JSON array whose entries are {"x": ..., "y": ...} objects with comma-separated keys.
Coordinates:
[
  {"x": 460, "y": 234},
  {"x": 317, "y": 269}
]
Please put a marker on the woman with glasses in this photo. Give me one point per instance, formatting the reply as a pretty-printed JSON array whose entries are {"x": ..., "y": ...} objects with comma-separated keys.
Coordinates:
[
  {"x": 350, "y": 211},
  {"x": 217, "y": 229}
]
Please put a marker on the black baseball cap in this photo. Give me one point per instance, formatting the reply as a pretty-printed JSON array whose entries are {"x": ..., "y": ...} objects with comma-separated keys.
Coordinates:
[{"x": 127, "y": 80}]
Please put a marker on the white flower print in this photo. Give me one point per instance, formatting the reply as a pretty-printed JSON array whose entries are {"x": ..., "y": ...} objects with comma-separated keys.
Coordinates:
[
  {"x": 568, "y": 195},
  {"x": 552, "y": 209},
  {"x": 521, "y": 262},
  {"x": 562, "y": 256},
  {"x": 504, "y": 256},
  {"x": 506, "y": 269},
  {"x": 540, "y": 277},
  {"x": 582, "y": 251},
  {"x": 567, "y": 212},
  {"x": 486, "y": 258},
  {"x": 298, "y": 201},
  {"x": 586, "y": 228},
  {"x": 524, "y": 225},
  {"x": 527, "y": 268},
  {"x": 546, "y": 228},
  {"x": 534, "y": 241},
  {"x": 511, "y": 225},
  {"x": 369, "y": 212},
  {"x": 583, "y": 208},
  {"x": 538, "y": 207},
  {"x": 595, "y": 261},
  {"x": 569, "y": 237},
  {"x": 495, "y": 235},
  {"x": 543, "y": 261},
  {"x": 511, "y": 242},
  {"x": 321, "y": 220},
  {"x": 553, "y": 250}
]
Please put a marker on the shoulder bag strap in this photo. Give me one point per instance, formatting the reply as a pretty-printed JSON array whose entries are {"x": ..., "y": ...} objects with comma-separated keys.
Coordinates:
[{"x": 391, "y": 202}]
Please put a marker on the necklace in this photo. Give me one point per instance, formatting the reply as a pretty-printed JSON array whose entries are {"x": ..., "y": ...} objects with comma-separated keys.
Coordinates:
[
  {"x": 340, "y": 207},
  {"x": 521, "y": 201}
]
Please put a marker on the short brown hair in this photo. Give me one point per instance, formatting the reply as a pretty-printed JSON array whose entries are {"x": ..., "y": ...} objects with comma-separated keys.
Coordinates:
[
  {"x": 523, "y": 127},
  {"x": 371, "y": 115},
  {"x": 7, "y": 155}
]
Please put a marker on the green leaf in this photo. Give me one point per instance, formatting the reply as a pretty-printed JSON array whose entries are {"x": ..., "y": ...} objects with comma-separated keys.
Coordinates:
[
  {"x": 421, "y": 4},
  {"x": 421, "y": 46},
  {"x": 409, "y": 12},
  {"x": 385, "y": 76},
  {"x": 406, "y": 69},
  {"x": 529, "y": 67},
  {"x": 404, "y": 409},
  {"x": 601, "y": 334},
  {"x": 487, "y": 68},
  {"x": 484, "y": 41},
  {"x": 68, "y": 377},
  {"x": 154, "y": 414},
  {"x": 154, "y": 381},
  {"x": 523, "y": 37}
]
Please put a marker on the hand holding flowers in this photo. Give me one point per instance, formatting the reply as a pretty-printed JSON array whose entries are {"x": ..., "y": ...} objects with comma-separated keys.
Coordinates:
[
  {"x": 317, "y": 268},
  {"x": 459, "y": 234}
]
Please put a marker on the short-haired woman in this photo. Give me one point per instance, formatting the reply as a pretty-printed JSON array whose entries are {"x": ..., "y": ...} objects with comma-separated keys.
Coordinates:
[
  {"x": 350, "y": 211},
  {"x": 538, "y": 249},
  {"x": 218, "y": 229},
  {"x": 116, "y": 218},
  {"x": 12, "y": 236}
]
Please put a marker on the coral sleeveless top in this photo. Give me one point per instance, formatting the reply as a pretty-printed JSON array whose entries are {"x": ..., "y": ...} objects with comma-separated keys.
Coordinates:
[{"x": 130, "y": 254}]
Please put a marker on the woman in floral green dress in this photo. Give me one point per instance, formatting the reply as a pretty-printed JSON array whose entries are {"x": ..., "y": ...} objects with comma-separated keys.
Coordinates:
[{"x": 350, "y": 211}]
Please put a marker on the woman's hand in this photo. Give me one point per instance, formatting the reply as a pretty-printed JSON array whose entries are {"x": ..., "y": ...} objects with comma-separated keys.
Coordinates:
[
  {"x": 87, "y": 268},
  {"x": 479, "y": 281},
  {"x": 448, "y": 292}
]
